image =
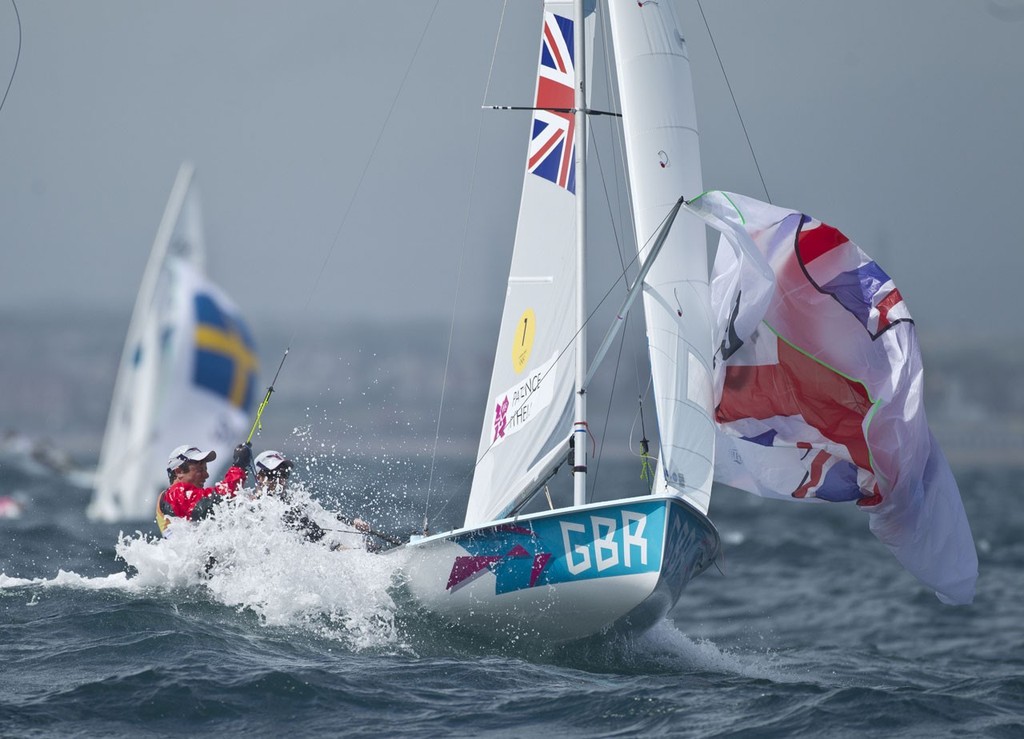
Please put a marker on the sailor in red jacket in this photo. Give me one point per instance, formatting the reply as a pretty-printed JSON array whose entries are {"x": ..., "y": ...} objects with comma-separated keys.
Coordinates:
[{"x": 186, "y": 473}]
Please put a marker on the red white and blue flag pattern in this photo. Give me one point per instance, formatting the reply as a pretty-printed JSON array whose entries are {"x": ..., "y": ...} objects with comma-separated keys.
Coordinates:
[
  {"x": 837, "y": 267},
  {"x": 552, "y": 152},
  {"x": 819, "y": 386}
]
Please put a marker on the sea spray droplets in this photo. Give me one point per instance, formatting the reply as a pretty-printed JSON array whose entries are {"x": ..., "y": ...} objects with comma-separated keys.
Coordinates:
[{"x": 247, "y": 558}]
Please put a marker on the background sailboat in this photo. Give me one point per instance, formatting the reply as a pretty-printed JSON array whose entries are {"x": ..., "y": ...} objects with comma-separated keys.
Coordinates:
[{"x": 187, "y": 372}]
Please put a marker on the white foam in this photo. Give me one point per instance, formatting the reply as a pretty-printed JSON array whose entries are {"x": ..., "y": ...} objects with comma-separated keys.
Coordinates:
[
  {"x": 246, "y": 557},
  {"x": 666, "y": 645}
]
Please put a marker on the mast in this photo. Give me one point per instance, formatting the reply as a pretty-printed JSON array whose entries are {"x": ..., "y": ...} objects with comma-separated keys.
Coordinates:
[{"x": 580, "y": 114}]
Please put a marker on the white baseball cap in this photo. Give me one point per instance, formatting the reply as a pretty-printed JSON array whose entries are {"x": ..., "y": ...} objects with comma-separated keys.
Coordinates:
[
  {"x": 270, "y": 460},
  {"x": 186, "y": 453}
]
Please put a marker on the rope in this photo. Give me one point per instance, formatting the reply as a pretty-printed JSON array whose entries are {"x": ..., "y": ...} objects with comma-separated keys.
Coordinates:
[
  {"x": 571, "y": 342},
  {"x": 494, "y": 52},
  {"x": 734, "y": 103},
  {"x": 458, "y": 284},
  {"x": 16, "y": 58},
  {"x": 608, "y": 411},
  {"x": 621, "y": 152},
  {"x": 369, "y": 160},
  {"x": 645, "y": 447},
  {"x": 569, "y": 345},
  {"x": 344, "y": 219}
]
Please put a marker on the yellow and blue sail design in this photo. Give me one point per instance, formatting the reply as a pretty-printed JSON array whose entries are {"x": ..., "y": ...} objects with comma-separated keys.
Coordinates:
[{"x": 225, "y": 356}]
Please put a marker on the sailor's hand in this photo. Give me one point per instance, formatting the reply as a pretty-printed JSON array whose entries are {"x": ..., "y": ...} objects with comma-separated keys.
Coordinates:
[
  {"x": 243, "y": 456},
  {"x": 360, "y": 525}
]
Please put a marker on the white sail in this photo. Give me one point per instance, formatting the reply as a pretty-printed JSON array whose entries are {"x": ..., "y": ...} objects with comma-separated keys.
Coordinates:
[
  {"x": 663, "y": 157},
  {"x": 532, "y": 381},
  {"x": 187, "y": 371}
]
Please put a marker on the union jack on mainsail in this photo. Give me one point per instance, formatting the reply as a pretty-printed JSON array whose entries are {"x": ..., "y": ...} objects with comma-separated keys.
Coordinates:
[
  {"x": 836, "y": 266},
  {"x": 552, "y": 141}
]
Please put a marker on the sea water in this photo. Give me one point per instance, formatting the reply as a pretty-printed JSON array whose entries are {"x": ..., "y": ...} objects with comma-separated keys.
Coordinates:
[
  {"x": 808, "y": 627},
  {"x": 238, "y": 626}
]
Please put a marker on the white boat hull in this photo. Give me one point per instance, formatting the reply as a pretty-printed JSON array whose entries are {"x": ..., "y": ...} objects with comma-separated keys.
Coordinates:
[{"x": 566, "y": 574}]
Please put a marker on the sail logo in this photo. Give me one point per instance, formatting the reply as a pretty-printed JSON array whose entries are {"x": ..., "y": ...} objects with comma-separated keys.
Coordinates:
[
  {"x": 512, "y": 554},
  {"x": 520, "y": 404},
  {"x": 552, "y": 152},
  {"x": 836, "y": 266},
  {"x": 225, "y": 359}
]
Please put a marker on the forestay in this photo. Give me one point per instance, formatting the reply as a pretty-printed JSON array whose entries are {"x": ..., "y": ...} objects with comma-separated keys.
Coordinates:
[{"x": 526, "y": 423}]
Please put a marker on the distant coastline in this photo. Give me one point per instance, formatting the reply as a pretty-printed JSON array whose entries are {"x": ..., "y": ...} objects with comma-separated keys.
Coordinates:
[{"x": 383, "y": 381}]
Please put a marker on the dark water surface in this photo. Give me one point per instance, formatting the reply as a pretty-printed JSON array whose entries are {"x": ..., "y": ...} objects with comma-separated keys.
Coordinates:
[{"x": 811, "y": 628}]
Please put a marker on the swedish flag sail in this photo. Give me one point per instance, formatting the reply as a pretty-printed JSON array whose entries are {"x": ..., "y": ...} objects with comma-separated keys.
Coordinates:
[{"x": 187, "y": 371}]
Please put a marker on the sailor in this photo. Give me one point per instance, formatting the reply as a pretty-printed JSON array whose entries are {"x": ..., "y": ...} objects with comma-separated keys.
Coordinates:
[
  {"x": 186, "y": 473},
  {"x": 272, "y": 472}
]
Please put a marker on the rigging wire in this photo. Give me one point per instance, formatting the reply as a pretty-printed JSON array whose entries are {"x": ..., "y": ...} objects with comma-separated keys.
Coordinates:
[
  {"x": 369, "y": 159},
  {"x": 619, "y": 143},
  {"x": 571, "y": 340},
  {"x": 608, "y": 408},
  {"x": 348, "y": 210},
  {"x": 734, "y": 103},
  {"x": 605, "y": 32},
  {"x": 622, "y": 276},
  {"x": 494, "y": 52},
  {"x": 16, "y": 58},
  {"x": 619, "y": 147},
  {"x": 458, "y": 279}
]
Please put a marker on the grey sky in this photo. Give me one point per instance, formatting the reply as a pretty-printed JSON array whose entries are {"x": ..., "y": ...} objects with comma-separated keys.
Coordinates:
[{"x": 901, "y": 123}]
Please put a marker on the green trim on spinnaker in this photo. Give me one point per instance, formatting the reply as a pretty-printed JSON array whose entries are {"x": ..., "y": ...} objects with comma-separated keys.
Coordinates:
[{"x": 724, "y": 195}]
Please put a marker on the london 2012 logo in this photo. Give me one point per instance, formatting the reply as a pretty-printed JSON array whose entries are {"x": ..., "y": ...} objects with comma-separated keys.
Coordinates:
[{"x": 518, "y": 405}]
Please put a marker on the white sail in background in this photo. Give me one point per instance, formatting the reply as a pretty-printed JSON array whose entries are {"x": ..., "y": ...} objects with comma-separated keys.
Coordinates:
[
  {"x": 187, "y": 371},
  {"x": 528, "y": 417},
  {"x": 663, "y": 156}
]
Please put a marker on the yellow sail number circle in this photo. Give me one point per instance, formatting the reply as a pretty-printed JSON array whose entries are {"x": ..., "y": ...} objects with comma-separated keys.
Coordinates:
[{"x": 522, "y": 343}]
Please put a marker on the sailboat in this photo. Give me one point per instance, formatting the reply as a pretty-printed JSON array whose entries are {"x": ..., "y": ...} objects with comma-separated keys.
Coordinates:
[
  {"x": 187, "y": 373},
  {"x": 790, "y": 370},
  {"x": 569, "y": 572}
]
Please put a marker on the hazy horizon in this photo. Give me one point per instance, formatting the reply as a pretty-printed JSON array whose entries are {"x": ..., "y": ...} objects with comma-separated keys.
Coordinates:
[{"x": 894, "y": 122}]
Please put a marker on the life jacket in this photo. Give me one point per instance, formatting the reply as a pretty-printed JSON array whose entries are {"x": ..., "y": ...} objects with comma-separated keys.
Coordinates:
[{"x": 164, "y": 512}]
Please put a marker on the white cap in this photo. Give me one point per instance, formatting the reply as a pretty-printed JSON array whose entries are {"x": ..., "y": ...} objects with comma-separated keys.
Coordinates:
[
  {"x": 270, "y": 460},
  {"x": 186, "y": 453}
]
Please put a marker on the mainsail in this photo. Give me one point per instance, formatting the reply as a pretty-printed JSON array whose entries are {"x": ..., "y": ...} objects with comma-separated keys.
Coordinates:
[
  {"x": 526, "y": 423},
  {"x": 663, "y": 155},
  {"x": 187, "y": 370}
]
